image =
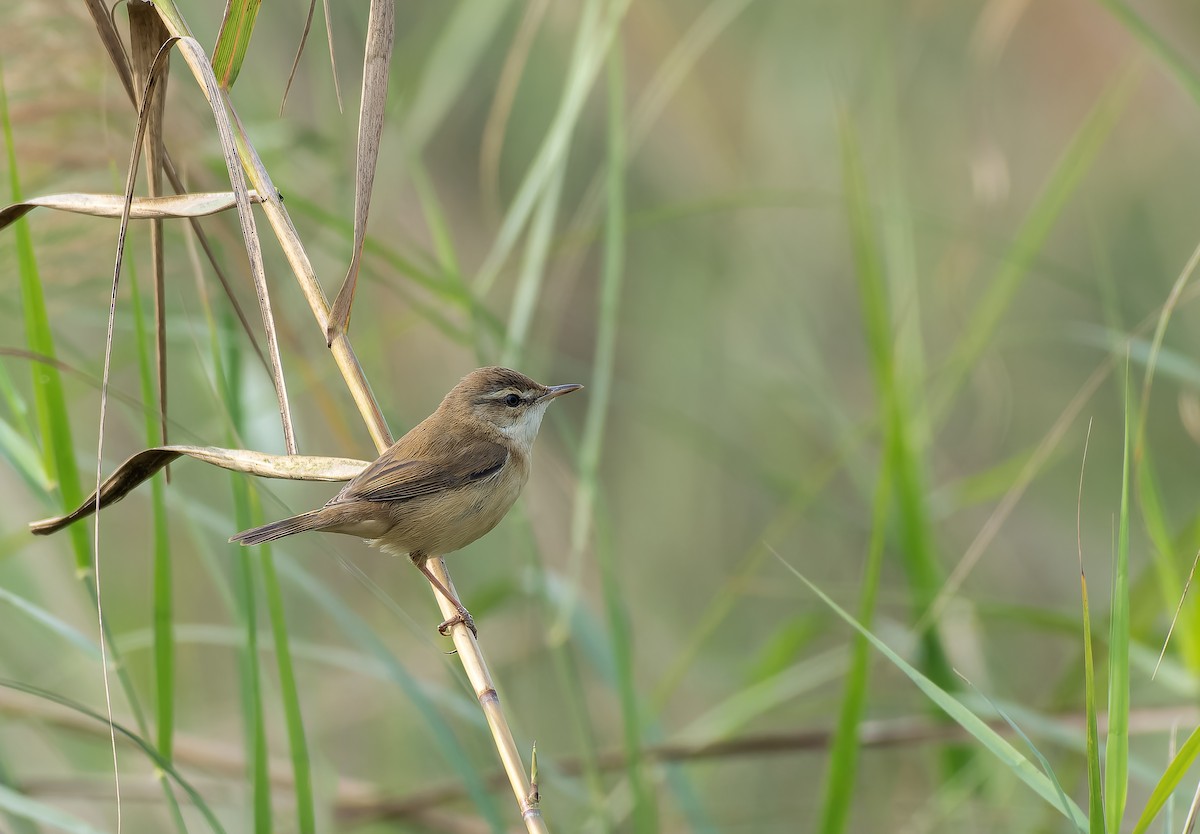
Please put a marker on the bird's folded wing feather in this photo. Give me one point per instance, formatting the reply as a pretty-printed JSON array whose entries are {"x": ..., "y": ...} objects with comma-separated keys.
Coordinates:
[{"x": 400, "y": 480}]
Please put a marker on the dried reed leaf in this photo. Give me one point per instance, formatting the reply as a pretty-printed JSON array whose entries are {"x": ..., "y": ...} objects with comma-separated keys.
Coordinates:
[
  {"x": 337, "y": 87},
  {"x": 196, "y": 60},
  {"x": 147, "y": 35},
  {"x": 111, "y": 40},
  {"x": 381, "y": 35},
  {"x": 287, "y": 88},
  {"x": 143, "y": 466},
  {"x": 142, "y": 208}
]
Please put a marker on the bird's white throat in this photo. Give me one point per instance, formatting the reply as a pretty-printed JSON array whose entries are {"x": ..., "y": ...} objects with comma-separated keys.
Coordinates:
[{"x": 525, "y": 430}]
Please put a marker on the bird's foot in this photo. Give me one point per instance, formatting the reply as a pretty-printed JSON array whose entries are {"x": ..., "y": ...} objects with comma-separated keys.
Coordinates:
[{"x": 463, "y": 616}]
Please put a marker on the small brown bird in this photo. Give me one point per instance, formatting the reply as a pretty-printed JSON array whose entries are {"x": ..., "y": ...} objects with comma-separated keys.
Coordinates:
[{"x": 444, "y": 484}]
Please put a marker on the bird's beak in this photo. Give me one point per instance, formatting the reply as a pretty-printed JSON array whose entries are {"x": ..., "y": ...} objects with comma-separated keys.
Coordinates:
[{"x": 558, "y": 390}]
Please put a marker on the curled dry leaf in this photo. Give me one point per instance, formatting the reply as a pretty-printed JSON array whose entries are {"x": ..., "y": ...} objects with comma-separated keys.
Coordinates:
[
  {"x": 143, "y": 208},
  {"x": 142, "y": 466},
  {"x": 381, "y": 36}
]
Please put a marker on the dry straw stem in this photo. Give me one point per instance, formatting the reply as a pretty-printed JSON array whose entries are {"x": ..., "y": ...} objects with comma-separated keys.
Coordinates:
[{"x": 343, "y": 354}]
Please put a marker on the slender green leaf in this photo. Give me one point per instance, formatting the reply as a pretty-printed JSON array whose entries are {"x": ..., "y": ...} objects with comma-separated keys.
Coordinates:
[
  {"x": 1172, "y": 776},
  {"x": 145, "y": 746},
  {"x": 234, "y": 38},
  {"x": 1008, "y": 755},
  {"x": 23, "y": 806},
  {"x": 290, "y": 692},
  {"x": 1187, "y": 77},
  {"x": 1095, "y": 785},
  {"x": 1116, "y": 753},
  {"x": 1075, "y": 162},
  {"x": 164, "y": 640}
]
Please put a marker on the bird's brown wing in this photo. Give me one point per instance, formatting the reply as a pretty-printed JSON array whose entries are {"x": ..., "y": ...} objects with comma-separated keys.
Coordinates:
[{"x": 399, "y": 480}]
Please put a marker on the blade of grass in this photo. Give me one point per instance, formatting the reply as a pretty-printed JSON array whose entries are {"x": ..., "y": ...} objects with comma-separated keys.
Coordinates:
[
  {"x": 247, "y": 514},
  {"x": 290, "y": 694},
  {"x": 902, "y": 437},
  {"x": 1069, "y": 171},
  {"x": 147, "y": 36},
  {"x": 19, "y": 805},
  {"x": 54, "y": 423},
  {"x": 839, "y": 792},
  {"x": 164, "y": 640},
  {"x": 237, "y": 25},
  {"x": 377, "y": 60},
  {"x": 1009, "y": 756},
  {"x": 1156, "y": 46},
  {"x": 362, "y": 634},
  {"x": 1116, "y": 753},
  {"x": 533, "y": 268},
  {"x": 1095, "y": 785},
  {"x": 1171, "y": 778},
  {"x": 591, "y": 446},
  {"x": 52, "y": 623},
  {"x": 597, "y": 27},
  {"x": 138, "y": 740},
  {"x": 19, "y": 823},
  {"x": 461, "y": 44}
]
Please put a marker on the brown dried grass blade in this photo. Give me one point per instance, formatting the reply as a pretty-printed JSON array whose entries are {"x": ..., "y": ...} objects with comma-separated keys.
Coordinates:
[
  {"x": 381, "y": 36},
  {"x": 147, "y": 35},
  {"x": 193, "y": 55},
  {"x": 337, "y": 87},
  {"x": 287, "y": 88},
  {"x": 111, "y": 40},
  {"x": 142, "y": 208},
  {"x": 145, "y": 464}
]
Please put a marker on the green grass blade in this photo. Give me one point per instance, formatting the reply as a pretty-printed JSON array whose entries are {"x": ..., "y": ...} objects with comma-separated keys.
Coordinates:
[
  {"x": 533, "y": 267},
  {"x": 1156, "y": 45},
  {"x": 164, "y": 640},
  {"x": 1075, "y": 162},
  {"x": 142, "y": 744},
  {"x": 226, "y": 364},
  {"x": 18, "y": 822},
  {"x": 251, "y": 680},
  {"x": 52, "y": 623},
  {"x": 1116, "y": 753},
  {"x": 1008, "y": 755},
  {"x": 290, "y": 693},
  {"x": 20, "y": 805},
  {"x": 462, "y": 43},
  {"x": 448, "y": 744},
  {"x": 1095, "y": 786},
  {"x": 1176, "y": 770},
  {"x": 233, "y": 40},
  {"x": 597, "y": 28},
  {"x": 902, "y": 433},
  {"x": 53, "y": 422},
  {"x": 839, "y": 793},
  {"x": 50, "y": 403}
]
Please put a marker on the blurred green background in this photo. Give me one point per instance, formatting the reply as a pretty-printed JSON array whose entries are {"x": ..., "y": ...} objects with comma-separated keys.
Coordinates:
[{"x": 1028, "y": 173}]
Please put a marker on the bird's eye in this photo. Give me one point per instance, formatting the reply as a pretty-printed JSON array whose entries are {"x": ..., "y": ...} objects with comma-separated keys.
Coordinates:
[{"x": 512, "y": 401}]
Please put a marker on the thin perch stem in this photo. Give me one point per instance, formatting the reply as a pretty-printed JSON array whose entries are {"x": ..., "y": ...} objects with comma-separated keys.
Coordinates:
[{"x": 481, "y": 681}]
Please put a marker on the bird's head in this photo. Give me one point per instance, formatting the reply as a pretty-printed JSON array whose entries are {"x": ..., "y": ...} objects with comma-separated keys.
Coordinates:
[{"x": 505, "y": 399}]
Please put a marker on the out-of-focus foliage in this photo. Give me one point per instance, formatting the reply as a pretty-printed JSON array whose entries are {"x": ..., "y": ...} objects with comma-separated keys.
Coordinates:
[{"x": 1028, "y": 179}]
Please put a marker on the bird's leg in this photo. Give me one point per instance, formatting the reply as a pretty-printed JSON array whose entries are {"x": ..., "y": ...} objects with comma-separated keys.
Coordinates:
[{"x": 463, "y": 616}]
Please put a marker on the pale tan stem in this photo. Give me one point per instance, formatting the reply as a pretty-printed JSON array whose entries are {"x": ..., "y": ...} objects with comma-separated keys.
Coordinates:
[
  {"x": 343, "y": 354},
  {"x": 489, "y": 701}
]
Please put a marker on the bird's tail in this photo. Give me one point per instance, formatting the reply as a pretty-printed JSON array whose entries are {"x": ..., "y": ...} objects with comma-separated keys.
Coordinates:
[{"x": 311, "y": 520}]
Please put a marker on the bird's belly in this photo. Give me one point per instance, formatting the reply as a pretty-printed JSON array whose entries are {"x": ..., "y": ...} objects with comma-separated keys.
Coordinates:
[{"x": 443, "y": 523}]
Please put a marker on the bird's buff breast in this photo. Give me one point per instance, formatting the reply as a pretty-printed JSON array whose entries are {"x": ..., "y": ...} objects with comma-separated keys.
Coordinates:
[{"x": 443, "y": 523}]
